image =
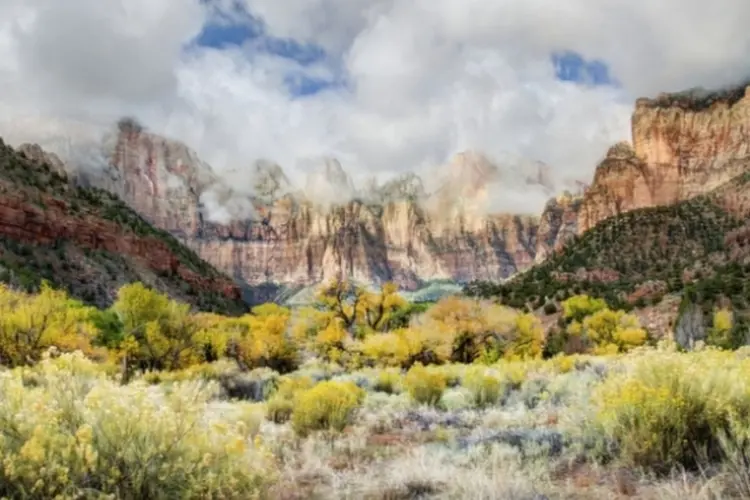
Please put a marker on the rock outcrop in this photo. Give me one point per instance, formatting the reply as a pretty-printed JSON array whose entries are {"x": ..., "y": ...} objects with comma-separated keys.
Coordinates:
[
  {"x": 683, "y": 145},
  {"x": 263, "y": 232}
]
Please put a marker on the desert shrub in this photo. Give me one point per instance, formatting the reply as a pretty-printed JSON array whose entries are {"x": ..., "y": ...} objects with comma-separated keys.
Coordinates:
[
  {"x": 75, "y": 434},
  {"x": 327, "y": 406},
  {"x": 550, "y": 308},
  {"x": 485, "y": 387},
  {"x": 563, "y": 363},
  {"x": 425, "y": 385},
  {"x": 281, "y": 404},
  {"x": 388, "y": 381},
  {"x": 670, "y": 410}
]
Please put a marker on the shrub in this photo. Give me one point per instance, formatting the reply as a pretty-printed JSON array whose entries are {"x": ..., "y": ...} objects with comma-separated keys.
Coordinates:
[
  {"x": 388, "y": 382},
  {"x": 425, "y": 385},
  {"x": 664, "y": 412},
  {"x": 76, "y": 433},
  {"x": 281, "y": 404},
  {"x": 550, "y": 308},
  {"x": 327, "y": 406},
  {"x": 485, "y": 388}
]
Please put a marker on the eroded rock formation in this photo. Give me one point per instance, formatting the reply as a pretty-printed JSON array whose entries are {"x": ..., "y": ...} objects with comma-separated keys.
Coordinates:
[
  {"x": 683, "y": 145},
  {"x": 264, "y": 232}
]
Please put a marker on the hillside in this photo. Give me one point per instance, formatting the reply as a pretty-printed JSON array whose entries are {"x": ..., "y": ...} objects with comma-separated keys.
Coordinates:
[
  {"x": 89, "y": 242},
  {"x": 637, "y": 257}
]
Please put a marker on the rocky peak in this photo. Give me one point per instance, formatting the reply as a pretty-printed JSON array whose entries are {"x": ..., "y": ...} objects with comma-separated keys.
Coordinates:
[
  {"x": 404, "y": 187},
  {"x": 271, "y": 182},
  {"x": 35, "y": 153},
  {"x": 683, "y": 145},
  {"x": 621, "y": 151},
  {"x": 697, "y": 99},
  {"x": 328, "y": 183}
]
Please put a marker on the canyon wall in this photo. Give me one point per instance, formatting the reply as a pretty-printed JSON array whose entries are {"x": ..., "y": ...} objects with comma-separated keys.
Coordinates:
[
  {"x": 683, "y": 145},
  {"x": 394, "y": 232}
]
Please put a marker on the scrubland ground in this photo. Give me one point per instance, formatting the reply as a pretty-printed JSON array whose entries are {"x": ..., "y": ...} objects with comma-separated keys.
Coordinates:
[{"x": 653, "y": 423}]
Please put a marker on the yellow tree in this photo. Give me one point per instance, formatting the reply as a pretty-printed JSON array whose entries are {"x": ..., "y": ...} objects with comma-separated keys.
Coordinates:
[
  {"x": 356, "y": 306},
  {"x": 580, "y": 306},
  {"x": 31, "y": 324},
  {"x": 613, "y": 331},
  {"x": 342, "y": 298},
  {"x": 469, "y": 328},
  {"x": 160, "y": 334},
  {"x": 377, "y": 308},
  {"x": 263, "y": 339}
]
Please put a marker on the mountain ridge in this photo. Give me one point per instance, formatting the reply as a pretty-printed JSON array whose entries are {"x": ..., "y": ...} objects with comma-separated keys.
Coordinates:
[{"x": 89, "y": 242}]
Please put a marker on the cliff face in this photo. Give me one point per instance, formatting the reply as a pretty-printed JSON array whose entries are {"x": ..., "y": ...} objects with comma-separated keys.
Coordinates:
[
  {"x": 89, "y": 241},
  {"x": 262, "y": 233},
  {"x": 684, "y": 145}
]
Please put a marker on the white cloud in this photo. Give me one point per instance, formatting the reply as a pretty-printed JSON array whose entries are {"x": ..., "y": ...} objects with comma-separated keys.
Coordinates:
[{"x": 425, "y": 78}]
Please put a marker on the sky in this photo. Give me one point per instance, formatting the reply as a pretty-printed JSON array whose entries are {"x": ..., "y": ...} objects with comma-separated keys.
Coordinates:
[{"x": 384, "y": 86}]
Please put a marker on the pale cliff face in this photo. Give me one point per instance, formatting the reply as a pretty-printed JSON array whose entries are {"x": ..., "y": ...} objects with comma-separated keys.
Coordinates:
[
  {"x": 682, "y": 147},
  {"x": 397, "y": 232}
]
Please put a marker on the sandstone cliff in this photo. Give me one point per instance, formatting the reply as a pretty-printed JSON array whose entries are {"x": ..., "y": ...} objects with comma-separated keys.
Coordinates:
[
  {"x": 683, "y": 145},
  {"x": 264, "y": 232}
]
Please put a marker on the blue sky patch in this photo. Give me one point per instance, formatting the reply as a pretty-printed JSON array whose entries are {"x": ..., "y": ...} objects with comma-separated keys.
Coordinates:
[{"x": 572, "y": 67}]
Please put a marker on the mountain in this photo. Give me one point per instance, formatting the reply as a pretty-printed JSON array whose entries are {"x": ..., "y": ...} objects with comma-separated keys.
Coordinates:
[
  {"x": 639, "y": 256},
  {"x": 668, "y": 214},
  {"x": 274, "y": 239},
  {"x": 88, "y": 241},
  {"x": 684, "y": 145}
]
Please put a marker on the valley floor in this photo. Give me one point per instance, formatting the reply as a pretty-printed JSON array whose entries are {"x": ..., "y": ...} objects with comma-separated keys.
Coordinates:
[{"x": 572, "y": 427}]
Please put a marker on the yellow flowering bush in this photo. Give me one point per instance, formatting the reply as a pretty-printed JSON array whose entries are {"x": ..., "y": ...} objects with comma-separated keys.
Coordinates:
[
  {"x": 425, "y": 384},
  {"x": 281, "y": 404},
  {"x": 327, "y": 406},
  {"x": 77, "y": 434},
  {"x": 671, "y": 409},
  {"x": 388, "y": 381},
  {"x": 485, "y": 387}
]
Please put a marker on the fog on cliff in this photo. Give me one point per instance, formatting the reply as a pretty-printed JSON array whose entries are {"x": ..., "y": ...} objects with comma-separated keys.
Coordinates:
[{"x": 383, "y": 86}]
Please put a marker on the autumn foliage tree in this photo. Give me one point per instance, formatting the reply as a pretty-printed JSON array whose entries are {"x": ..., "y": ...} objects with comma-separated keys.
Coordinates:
[
  {"x": 263, "y": 339},
  {"x": 159, "y": 333},
  {"x": 358, "y": 307},
  {"x": 32, "y": 323}
]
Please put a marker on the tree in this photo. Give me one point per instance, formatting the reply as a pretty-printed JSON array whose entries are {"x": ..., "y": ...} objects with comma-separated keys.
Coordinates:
[
  {"x": 578, "y": 307},
  {"x": 263, "y": 339},
  {"x": 159, "y": 333},
  {"x": 31, "y": 324},
  {"x": 359, "y": 308}
]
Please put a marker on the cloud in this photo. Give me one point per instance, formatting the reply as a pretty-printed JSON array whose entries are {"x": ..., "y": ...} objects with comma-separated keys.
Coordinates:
[{"x": 384, "y": 86}]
